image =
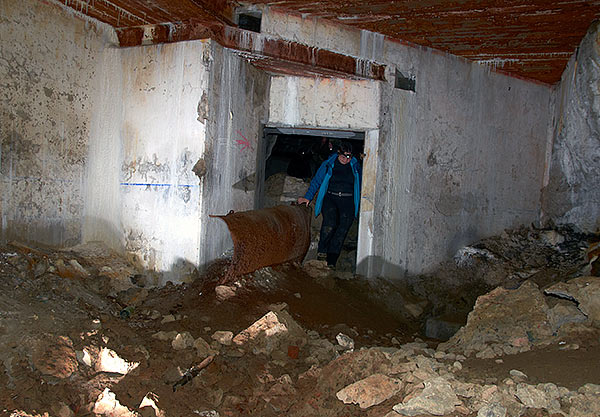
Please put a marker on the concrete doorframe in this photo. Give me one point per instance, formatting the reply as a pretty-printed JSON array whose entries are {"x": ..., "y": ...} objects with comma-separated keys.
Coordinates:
[
  {"x": 365, "y": 255},
  {"x": 365, "y": 264}
]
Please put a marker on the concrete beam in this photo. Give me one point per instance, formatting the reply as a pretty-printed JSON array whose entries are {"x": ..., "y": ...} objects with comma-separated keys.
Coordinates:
[{"x": 267, "y": 52}]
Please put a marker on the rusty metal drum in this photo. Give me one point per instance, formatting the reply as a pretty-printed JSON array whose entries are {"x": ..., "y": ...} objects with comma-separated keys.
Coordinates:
[{"x": 265, "y": 237}]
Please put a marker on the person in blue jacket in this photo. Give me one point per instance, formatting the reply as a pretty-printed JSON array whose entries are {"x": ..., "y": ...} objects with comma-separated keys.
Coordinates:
[{"x": 337, "y": 186}]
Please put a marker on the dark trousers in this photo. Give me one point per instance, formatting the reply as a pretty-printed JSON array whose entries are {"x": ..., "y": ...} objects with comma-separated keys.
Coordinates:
[{"x": 338, "y": 215}]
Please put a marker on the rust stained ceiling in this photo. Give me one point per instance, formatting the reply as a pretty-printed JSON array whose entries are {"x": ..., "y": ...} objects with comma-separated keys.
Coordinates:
[{"x": 532, "y": 39}]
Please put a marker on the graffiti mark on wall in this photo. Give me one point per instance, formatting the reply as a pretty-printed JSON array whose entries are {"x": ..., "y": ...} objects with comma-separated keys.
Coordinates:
[
  {"x": 149, "y": 184},
  {"x": 245, "y": 142}
]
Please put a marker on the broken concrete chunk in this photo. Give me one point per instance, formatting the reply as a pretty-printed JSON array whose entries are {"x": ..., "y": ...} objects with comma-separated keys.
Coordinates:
[
  {"x": 492, "y": 410},
  {"x": 585, "y": 291},
  {"x": 165, "y": 335},
  {"x": 552, "y": 237},
  {"x": 437, "y": 398},
  {"x": 564, "y": 313},
  {"x": 224, "y": 292},
  {"x": 83, "y": 356},
  {"x": 589, "y": 389},
  {"x": 370, "y": 391},
  {"x": 467, "y": 255},
  {"x": 517, "y": 375},
  {"x": 203, "y": 348},
  {"x": 223, "y": 337},
  {"x": 107, "y": 404},
  {"x": 502, "y": 316},
  {"x": 80, "y": 270},
  {"x": 207, "y": 413},
  {"x": 273, "y": 331},
  {"x": 345, "y": 341},
  {"x": 168, "y": 319},
  {"x": 584, "y": 406},
  {"x": 269, "y": 324},
  {"x": 182, "y": 341},
  {"x": 154, "y": 315},
  {"x": 531, "y": 397},
  {"x": 110, "y": 361}
]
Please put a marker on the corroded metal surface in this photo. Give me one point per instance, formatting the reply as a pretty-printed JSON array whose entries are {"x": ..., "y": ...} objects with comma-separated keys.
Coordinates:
[
  {"x": 533, "y": 39},
  {"x": 266, "y": 237},
  {"x": 268, "y": 53}
]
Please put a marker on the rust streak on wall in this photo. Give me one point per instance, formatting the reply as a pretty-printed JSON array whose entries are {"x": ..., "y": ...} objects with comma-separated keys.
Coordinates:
[
  {"x": 274, "y": 55},
  {"x": 519, "y": 35}
]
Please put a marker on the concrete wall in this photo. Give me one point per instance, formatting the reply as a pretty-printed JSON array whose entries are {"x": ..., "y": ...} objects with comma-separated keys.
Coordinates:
[
  {"x": 328, "y": 102},
  {"x": 459, "y": 159},
  {"x": 236, "y": 109},
  {"x": 572, "y": 194},
  {"x": 100, "y": 143},
  {"x": 49, "y": 58},
  {"x": 108, "y": 138},
  {"x": 189, "y": 117},
  {"x": 148, "y": 139}
]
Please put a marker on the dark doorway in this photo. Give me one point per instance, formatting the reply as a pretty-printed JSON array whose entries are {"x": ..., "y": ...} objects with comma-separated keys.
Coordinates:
[{"x": 291, "y": 157}]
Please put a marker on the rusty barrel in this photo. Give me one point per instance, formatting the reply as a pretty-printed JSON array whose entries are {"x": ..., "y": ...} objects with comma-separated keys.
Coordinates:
[{"x": 266, "y": 237}]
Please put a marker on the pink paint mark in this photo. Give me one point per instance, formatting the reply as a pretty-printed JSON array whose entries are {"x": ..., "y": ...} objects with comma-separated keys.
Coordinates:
[{"x": 244, "y": 142}]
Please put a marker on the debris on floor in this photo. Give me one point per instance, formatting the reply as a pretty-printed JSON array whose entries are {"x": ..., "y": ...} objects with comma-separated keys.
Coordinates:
[{"x": 83, "y": 332}]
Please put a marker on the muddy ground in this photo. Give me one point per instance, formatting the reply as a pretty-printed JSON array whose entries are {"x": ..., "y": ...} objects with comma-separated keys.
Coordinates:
[{"x": 82, "y": 333}]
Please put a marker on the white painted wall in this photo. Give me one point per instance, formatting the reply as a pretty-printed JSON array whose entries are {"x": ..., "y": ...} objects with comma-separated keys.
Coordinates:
[
  {"x": 571, "y": 193},
  {"x": 324, "y": 102},
  {"x": 162, "y": 139},
  {"x": 49, "y": 59}
]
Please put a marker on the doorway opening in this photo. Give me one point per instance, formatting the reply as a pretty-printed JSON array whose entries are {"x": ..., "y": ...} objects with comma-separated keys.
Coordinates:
[{"x": 288, "y": 160}]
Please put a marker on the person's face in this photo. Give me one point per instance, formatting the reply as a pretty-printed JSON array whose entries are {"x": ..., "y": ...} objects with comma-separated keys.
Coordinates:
[{"x": 344, "y": 157}]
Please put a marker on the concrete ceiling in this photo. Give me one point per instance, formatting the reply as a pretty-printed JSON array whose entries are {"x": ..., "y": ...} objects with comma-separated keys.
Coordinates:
[{"x": 532, "y": 39}]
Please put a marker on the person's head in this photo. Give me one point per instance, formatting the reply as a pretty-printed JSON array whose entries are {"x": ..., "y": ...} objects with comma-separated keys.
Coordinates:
[{"x": 345, "y": 152}]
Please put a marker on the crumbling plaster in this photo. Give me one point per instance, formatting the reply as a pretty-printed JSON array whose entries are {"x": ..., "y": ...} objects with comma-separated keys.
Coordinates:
[{"x": 571, "y": 193}]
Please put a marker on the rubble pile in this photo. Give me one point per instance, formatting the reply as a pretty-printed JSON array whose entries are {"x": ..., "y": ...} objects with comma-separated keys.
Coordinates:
[
  {"x": 542, "y": 256},
  {"x": 526, "y": 253},
  {"x": 83, "y": 333},
  {"x": 506, "y": 322}
]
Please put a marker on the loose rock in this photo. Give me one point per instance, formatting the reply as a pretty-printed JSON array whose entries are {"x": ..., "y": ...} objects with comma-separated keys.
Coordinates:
[{"x": 370, "y": 391}]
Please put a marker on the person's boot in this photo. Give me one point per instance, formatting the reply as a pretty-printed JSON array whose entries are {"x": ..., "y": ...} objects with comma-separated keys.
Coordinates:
[{"x": 332, "y": 260}]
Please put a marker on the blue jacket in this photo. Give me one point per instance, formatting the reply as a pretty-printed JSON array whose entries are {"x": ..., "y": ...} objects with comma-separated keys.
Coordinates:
[{"x": 320, "y": 182}]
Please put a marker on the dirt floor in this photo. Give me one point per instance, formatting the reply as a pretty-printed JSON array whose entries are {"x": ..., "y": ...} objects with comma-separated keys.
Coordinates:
[{"x": 81, "y": 334}]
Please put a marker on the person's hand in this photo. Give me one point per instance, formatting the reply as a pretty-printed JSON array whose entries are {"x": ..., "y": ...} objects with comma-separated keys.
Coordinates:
[{"x": 302, "y": 200}]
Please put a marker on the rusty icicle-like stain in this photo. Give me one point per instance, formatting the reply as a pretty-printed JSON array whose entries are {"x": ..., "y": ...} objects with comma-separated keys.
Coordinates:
[
  {"x": 270, "y": 54},
  {"x": 267, "y": 237},
  {"x": 512, "y": 36}
]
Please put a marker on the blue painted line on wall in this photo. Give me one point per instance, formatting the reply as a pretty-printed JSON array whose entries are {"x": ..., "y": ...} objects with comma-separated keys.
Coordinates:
[{"x": 148, "y": 184}]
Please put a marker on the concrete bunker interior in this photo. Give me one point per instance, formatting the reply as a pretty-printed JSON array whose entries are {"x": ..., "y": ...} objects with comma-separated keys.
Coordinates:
[{"x": 473, "y": 289}]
